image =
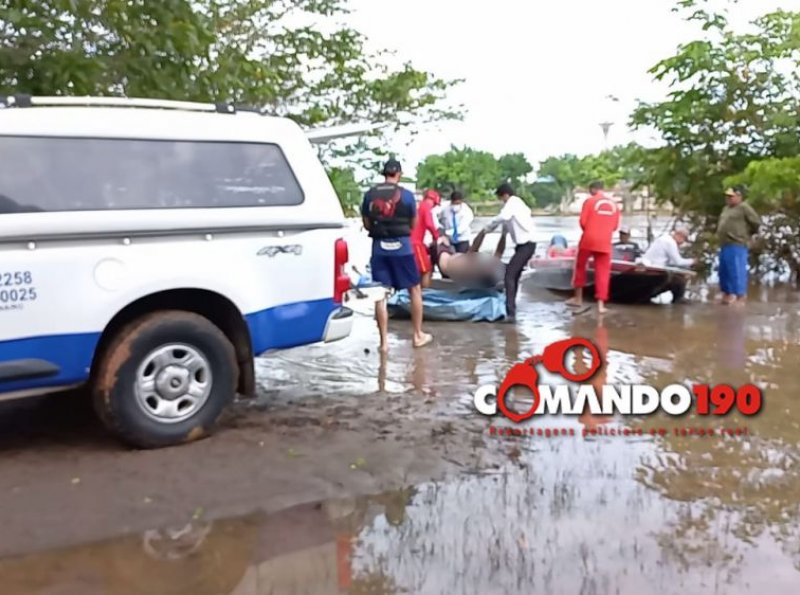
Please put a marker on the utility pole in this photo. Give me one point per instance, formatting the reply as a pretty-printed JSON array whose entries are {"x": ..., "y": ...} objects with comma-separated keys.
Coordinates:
[
  {"x": 605, "y": 127},
  {"x": 610, "y": 110},
  {"x": 647, "y": 211}
]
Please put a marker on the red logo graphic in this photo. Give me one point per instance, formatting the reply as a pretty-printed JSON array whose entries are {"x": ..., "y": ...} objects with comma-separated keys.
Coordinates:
[
  {"x": 553, "y": 359},
  {"x": 386, "y": 206}
]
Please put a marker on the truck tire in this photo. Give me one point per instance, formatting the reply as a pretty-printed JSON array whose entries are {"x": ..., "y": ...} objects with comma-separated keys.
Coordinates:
[{"x": 164, "y": 379}]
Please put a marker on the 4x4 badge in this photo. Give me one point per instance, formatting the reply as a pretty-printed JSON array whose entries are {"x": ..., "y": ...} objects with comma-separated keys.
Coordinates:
[{"x": 271, "y": 251}]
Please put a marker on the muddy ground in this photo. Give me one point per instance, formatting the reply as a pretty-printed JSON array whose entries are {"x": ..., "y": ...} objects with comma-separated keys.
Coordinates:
[
  {"x": 357, "y": 474},
  {"x": 63, "y": 481}
]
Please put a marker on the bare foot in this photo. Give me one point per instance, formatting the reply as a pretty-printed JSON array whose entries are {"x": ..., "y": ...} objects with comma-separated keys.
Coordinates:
[
  {"x": 573, "y": 303},
  {"x": 739, "y": 303},
  {"x": 422, "y": 340},
  {"x": 728, "y": 300},
  {"x": 601, "y": 309},
  {"x": 384, "y": 349}
]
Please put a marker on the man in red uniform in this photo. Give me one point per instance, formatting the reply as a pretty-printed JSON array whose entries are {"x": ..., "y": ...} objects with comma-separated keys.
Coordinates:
[
  {"x": 599, "y": 221},
  {"x": 425, "y": 223}
]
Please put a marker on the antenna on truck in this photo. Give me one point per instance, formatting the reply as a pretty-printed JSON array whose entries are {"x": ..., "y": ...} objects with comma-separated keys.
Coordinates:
[{"x": 323, "y": 135}]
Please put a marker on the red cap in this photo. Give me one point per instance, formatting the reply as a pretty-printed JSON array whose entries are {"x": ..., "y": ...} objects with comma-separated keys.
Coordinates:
[{"x": 433, "y": 195}]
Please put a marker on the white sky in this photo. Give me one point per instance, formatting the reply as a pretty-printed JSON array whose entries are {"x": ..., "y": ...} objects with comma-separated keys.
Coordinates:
[{"x": 537, "y": 71}]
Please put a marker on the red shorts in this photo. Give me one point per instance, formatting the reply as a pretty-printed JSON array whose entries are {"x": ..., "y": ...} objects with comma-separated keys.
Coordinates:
[{"x": 423, "y": 258}]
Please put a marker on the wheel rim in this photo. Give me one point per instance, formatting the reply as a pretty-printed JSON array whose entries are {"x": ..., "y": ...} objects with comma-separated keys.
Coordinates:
[{"x": 173, "y": 383}]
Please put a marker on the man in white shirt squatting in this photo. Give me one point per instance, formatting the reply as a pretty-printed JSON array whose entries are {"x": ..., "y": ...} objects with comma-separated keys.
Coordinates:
[
  {"x": 664, "y": 252},
  {"x": 457, "y": 218},
  {"x": 516, "y": 217}
]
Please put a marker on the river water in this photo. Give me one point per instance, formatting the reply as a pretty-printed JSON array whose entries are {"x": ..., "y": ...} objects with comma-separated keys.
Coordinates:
[
  {"x": 545, "y": 228},
  {"x": 590, "y": 513}
]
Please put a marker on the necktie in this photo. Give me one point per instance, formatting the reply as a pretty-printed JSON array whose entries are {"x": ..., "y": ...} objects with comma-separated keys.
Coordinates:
[{"x": 455, "y": 229}]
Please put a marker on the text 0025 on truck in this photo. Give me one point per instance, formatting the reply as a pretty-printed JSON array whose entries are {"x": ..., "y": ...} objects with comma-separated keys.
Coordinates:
[{"x": 152, "y": 249}]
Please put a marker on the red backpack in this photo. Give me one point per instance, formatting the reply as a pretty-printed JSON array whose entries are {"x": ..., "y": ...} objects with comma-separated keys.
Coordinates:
[{"x": 384, "y": 200}]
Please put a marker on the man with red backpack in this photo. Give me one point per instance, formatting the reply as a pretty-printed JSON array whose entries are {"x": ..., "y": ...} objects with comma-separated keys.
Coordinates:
[{"x": 389, "y": 213}]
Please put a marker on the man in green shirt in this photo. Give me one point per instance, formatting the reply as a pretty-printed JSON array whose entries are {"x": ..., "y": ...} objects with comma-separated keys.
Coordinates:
[{"x": 738, "y": 223}]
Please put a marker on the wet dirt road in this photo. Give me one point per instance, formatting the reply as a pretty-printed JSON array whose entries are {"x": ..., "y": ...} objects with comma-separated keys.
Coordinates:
[{"x": 357, "y": 475}]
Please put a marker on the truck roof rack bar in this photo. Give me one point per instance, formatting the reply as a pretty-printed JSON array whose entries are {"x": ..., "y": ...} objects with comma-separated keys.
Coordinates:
[
  {"x": 314, "y": 135},
  {"x": 29, "y": 101}
]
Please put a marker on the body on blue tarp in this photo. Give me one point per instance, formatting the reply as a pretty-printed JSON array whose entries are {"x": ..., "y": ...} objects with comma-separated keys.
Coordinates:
[{"x": 476, "y": 305}]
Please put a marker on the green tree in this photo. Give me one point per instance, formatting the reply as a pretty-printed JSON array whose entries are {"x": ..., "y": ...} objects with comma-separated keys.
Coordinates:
[
  {"x": 565, "y": 171},
  {"x": 514, "y": 168},
  {"x": 266, "y": 53},
  {"x": 735, "y": 98},
  {"x": 560, "y": 176},
  {"x": 774, "y": 187},
  {"x": 347, "y": 189},
  {"x": 476, "y": 173},
  {"x": 546, "y": 193},
  {"x": 619, "y": 164}
]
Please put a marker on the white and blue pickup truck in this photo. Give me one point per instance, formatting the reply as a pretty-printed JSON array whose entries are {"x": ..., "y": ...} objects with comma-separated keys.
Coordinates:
[{"x": 149, "y": 250}]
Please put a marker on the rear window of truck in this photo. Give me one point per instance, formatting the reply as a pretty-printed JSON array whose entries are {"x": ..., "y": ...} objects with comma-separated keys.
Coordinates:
[{"x": 94, "y": 174}]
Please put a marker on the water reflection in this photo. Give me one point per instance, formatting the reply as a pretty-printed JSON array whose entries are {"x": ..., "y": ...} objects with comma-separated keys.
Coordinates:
[
  {"x": 567, "y": 527},
  {"x": 307, "y": 549},
  {"x": 419, "y": 373},
  {"x": 603, "y": 515},
  {"x": 738, "y": 495},
  {"x": 384, "y": 361},
  {"x": 674, "y": 514},
  {"x": 587, "y": 419},
  {"x": 668, "y": 515},
  {"x": 512, "y": 344},
  {"x": 730, "y": 344}
]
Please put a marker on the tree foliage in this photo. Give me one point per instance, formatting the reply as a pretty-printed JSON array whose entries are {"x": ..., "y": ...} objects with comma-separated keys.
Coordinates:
[
  {"x": 734, "y": 102},
  {"x": 563, "y": 176},
  {"x": 347, "y": 189},
  {"x": 742, "y": 497},
  {"x": 566, "y": 173},
  {"x": 546, "y": 193},
  {"x": 774, "y": 188},
  {"x": 735, "y": 98},
  {"x": 476, "y": 173},
  {"x": 514, "y": 168},
  {"x": 289, "y": 57}
]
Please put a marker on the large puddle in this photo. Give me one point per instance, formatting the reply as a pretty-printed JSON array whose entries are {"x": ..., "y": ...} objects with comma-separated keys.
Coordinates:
[{"x": 582, "y": 514}]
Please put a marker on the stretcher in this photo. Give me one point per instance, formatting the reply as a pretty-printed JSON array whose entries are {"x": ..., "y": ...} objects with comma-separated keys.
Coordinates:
[
  {"x": 452, "y": 303},
  {"x": 475, "y": 305}
]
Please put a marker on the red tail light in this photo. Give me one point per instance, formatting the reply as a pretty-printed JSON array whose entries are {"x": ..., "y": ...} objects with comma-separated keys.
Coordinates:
[{"x": 341, "y": 280}]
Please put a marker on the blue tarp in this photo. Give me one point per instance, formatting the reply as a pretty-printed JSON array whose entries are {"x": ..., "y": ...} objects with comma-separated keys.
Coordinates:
[{"x": 477, "y": 305}]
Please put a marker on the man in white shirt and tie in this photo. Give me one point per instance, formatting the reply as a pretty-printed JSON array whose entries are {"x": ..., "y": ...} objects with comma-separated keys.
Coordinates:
[
  {"x": 517, "y": 220},
  {"x": 664, "y": 252},
  {"x": 457, "y": 219}
]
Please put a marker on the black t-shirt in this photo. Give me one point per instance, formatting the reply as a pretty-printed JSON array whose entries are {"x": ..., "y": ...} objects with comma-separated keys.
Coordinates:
[{"x": 626, "y": 251}]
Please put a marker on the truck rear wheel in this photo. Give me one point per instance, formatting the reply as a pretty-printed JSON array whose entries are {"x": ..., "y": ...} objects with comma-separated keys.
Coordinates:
[{"x": 164, "y": 379}]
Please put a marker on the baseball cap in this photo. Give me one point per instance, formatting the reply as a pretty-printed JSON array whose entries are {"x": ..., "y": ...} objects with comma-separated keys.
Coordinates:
[
  {"x": 504, "y": 188},
  {"x": 392, "y": 167},
  {"x": 625, "y": 229}
]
